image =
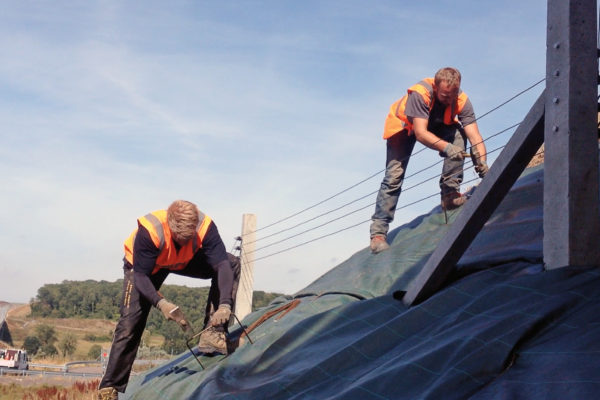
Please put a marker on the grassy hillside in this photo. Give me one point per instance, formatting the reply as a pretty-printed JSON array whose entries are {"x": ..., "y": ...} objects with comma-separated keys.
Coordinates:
[
  {"x": 21, "y": 325},
  {"x": 89, "y": 312}
]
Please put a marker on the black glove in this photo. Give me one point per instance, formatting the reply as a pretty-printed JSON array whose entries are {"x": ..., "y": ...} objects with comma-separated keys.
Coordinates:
[
  {"x": 453, "y": 152},
  {"x": 173, "y": 313},
  {"x": 221, "y": 316}
]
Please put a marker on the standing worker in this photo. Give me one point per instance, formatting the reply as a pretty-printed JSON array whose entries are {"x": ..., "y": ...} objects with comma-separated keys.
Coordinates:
[
  {"x": 184, "y": 241},
  {"x": 439, "y": 115}
]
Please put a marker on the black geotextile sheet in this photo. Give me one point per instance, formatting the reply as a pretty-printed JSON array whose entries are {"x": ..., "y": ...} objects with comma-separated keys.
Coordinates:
[{"x": 503, "y": 328}]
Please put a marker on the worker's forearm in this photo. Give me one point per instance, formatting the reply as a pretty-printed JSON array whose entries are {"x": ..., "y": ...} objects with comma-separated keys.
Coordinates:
[
  {"x": 144, "y": 285},
  {"x": 474, "y": 137},
  {"x": 430, "y": 140},
  {"x": 480, "y": 148},
  {"x": 225, "y": 281}
]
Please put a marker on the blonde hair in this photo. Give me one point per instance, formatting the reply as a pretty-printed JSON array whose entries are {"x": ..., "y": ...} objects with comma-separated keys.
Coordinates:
[
  {"x": 183, "y": 218},
  {"x": 449, "y": 75}
]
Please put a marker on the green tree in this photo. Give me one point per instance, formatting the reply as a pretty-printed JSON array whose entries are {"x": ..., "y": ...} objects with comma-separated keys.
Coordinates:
[
  {"x": 68, "y": 344},
  {"x": 174, "y": 340},
  {"x": 262, "y": 299},
  {"x": 32, "y": 344},
  {"x": 93, "y": 299},
  {"x": 95, "y": 352},
  {"x": 146, "y": 338},
  {"x": 46, "y": 334},
  {"x": 48, "y": 350}
]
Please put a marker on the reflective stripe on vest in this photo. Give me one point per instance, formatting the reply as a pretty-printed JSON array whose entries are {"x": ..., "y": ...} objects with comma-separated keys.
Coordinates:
[
  {"x": 158, "y": 229},
  {"x": 397, "y": 120},
  {"x": 169, "y": 257}
]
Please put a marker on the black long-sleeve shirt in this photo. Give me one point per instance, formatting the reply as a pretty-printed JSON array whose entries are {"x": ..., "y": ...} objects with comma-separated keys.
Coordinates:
[{"x": 145, "y": 254}]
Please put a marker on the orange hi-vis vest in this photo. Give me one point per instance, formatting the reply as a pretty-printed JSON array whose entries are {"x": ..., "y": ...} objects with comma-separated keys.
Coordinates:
[
  {"x": 169, "y": 257},
  {"x": 397, "y": 121}
]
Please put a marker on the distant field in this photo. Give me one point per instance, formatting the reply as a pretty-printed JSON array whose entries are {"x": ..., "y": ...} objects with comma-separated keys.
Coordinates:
[{"x": 21, "y": 325}]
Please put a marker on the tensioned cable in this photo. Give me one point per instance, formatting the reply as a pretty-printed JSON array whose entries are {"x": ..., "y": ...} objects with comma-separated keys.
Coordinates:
[
  {"x": 369, "y": 205},
  {"x": 233, "y": 247},
  {"x": 346, "y": 228},
  {"x": 316, "y": 217},
  {"x": 461, "y": 170},
  {"x": 504, "y": 103},
  {"x": 325, "y": 200},
  {"x": 310, "y": 241},
  {"x": 372, "y": 193},
  {"x": 338, "y": 208},
  {"x": 244, "y": 282},
  {"x": 512, "y": 98},
  {"x": 245, "y": 278},
  {"x": 380, "y": 171}
]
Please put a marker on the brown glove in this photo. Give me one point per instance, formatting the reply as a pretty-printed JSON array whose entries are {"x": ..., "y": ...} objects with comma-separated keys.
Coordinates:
[
  {"x": 481, "y": 166},
  {"x": 482, "y": 169},
  {"x": 221, "y": 316},
  {"x": 453, "y": 152},
  {"x": 173, "y": 313}
]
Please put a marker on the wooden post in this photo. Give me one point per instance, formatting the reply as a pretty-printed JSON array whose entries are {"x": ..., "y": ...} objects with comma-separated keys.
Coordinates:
[
  {"x": 571, "y": 212},
  {"x": 243, "y": 303}
]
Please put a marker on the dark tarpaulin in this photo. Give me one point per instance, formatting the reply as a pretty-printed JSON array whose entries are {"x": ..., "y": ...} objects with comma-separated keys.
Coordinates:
[{"x": 502, "y": 328}]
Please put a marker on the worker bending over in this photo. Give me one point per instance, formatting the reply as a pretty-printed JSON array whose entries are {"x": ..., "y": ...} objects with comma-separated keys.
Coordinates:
[{"x": 179, "y": 240}]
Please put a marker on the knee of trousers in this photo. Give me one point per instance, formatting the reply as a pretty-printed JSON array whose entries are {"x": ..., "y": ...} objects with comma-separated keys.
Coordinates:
[
  {"x": 392, "y": 182},
  {"x": 394, "y": 175}
]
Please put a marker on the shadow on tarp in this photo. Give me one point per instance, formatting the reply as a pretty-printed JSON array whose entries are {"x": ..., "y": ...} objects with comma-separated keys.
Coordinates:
[{"x": 171, "y": 367}]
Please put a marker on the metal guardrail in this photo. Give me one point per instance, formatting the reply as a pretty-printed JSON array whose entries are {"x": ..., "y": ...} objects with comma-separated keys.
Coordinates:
[
  {"x": 59, "y": 370},
  {"x": 10, "y": 371},
  {"x": 29, "y": 372},
  {"x": 70, "y": 364},
  {"x": 49, "y": 366},
  {"x": 65, "y": 367}
]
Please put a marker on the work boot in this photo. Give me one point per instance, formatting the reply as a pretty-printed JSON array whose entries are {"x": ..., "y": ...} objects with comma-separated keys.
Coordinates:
[
  {"x": 379, "y": 244},
  {"x": 452, "y": 200},
  {"x": 108, "y": 393},
  {"x": 213, "y": 341}
]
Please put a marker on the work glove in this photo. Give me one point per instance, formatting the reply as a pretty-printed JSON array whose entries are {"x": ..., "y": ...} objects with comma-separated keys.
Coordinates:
[
  {"x": 221, "y": 316},
  {"x": 482, "y": 169},
  {"x": 453, "y": 152},
  {"x": 173, "y": 313},
  {"x": 481, "y": 166}
]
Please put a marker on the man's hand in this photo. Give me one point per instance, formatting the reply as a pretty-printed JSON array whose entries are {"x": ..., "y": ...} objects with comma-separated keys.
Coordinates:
[
  {"x": 453, "y": 152},
  {"x": 173, "y": 313},
  {"x": 481, "y": 166},
  {"x": 481, "y": 169},
  {"x": 221, "y": 316}
]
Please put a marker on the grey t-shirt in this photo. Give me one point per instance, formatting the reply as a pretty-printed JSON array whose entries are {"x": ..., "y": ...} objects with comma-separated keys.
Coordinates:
[{"x": 417, "y": 108}]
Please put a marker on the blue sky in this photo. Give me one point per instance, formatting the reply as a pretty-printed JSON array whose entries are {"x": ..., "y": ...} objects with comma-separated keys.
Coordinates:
[{"x": 112, "y": 109}]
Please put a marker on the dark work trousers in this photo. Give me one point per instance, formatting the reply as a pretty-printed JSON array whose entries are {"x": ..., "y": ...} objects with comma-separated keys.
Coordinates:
[
  {"x": 452, "y": 171},
  {"x": 135, "y": 310},
  {"x": 399, "y": 149}
]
